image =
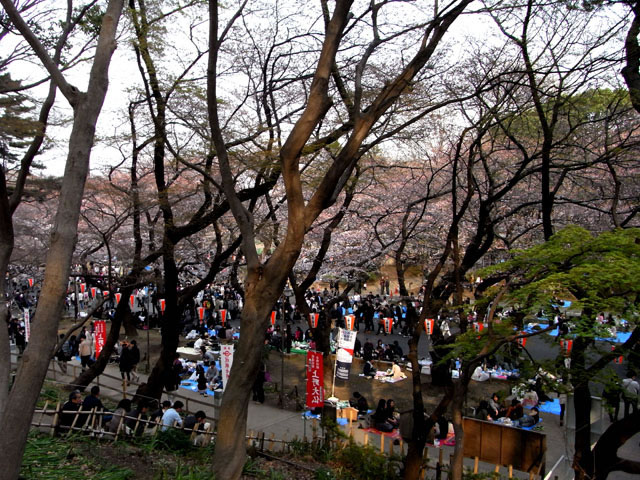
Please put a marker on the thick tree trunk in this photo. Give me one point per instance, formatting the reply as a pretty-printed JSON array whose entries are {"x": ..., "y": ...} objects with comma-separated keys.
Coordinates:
[
  {"x": 16, "y": 418},
  {"x": 605, "y": 453},
  {"x": 457, "y": 404},
  {"x": 6, "y": 247},
  {"x": 583, "y": 459},
  {"x": 230, "y": 452}
]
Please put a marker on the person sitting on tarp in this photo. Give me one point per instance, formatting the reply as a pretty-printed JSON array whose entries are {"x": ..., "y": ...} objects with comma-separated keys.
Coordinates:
[
  {"x": 359, "y": 402},
  {"x": 380, "y": 419},
  {"x": 392, "y": 415},
  {"x": 529, "y": 420},
  {"x": 368, "y": 369}
]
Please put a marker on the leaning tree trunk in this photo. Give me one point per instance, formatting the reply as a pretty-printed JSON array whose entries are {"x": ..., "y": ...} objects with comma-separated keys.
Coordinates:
[
  {"x": 16, "y": 419},
  {"x": 230, "y": 456}
]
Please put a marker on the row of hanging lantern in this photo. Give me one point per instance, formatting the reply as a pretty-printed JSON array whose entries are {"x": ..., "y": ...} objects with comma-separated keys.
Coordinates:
[{"x": 201, "y": 310}]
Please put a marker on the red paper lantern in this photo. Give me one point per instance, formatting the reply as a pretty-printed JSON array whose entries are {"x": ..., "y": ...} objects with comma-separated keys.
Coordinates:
[
  {"x": 478, "y": 326},
  {"x": 522, "y": 341},
  {"x": 388, "y": 324},
  {"x": 428, "y": 325},
  {"x": 619, "y": 359},
  {"x": 350, "y": 321}
]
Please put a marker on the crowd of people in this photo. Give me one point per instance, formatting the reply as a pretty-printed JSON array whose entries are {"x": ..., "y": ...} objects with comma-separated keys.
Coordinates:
[{"x": 90, "y": 415}]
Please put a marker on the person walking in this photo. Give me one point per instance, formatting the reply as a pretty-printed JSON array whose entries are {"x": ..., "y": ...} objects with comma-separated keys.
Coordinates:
[{"x": 630, "y": 391}]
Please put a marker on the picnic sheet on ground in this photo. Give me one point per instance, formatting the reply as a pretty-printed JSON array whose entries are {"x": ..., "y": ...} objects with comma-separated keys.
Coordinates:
[{"x": 552, "y": 406}]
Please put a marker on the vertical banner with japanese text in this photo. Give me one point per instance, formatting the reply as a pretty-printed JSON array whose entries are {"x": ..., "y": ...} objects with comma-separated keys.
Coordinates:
[
  {"x": 100, "y": 335},
  {"x": 315, "y": 376},
  {"x": 344, "y": 355},
  {"x": 226, "y": 359}
]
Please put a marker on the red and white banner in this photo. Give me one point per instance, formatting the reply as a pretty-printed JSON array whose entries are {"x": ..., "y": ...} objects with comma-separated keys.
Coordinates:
[
  {"x": 132, "y": 301},
  {"x": 93, "y": 292},
  {"x": 344, "y": 354},
  {"x": 100, "y": 335},
  {"x": 118, "y": 297},
  {"x": 273, "y": 317},
  {"x": 27, "y": 325},
  {"x": 223, "y": 316},
  {"x": 226, "y": 360},
  {"x": 315, "y": 380},
  {"x": 30, "y": 280},
  {"x": 105, "y": 293},
  {"x": 313, "y": 319},
  {"x": 350, "y": 321},
  {"x": 83, "y": 287},
  {"x": 428, "y": 325},
  {"x": 163, "y": 304},
  {"x": 388, "y": 324},
  {"x": 522, "y": 341},
  {"x": 201, "y": 313},
  {"x": 567, "y": 346}
]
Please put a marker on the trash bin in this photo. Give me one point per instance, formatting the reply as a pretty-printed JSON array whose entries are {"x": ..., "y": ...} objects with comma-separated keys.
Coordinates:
[{"x": 329, "y": 411}]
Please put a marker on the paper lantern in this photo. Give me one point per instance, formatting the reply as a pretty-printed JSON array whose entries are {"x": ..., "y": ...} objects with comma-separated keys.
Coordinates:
[
  {"x": 618, "y": 360},
  {"x": 522, "y": 341},
  {"x": 388, "y": 324},
  {"x": 428, "y": 325},
  {"x": 350, "y": 321}
]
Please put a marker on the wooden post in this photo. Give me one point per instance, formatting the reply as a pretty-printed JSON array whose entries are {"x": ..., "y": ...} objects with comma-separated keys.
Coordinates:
[
  {"x": 476, "y": 460},
  {"x": 271, "y": 437},
  {"x": 366, "y": 438},
  {"x": 381, "y": 443},
  {"x": 115, "y": 439},
  {"x": 46, "y": 404},
  {"x": 55, "y": 419},
  {"x": 250, "y": 438},
  {"x": 73, "y": 424},
  {"x": 510, "y": 471},
  {"x": 497, "y": 469}
]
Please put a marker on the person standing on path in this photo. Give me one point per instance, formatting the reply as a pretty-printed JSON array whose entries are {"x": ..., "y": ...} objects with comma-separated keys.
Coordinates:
[{"x": 630, "y": 391}]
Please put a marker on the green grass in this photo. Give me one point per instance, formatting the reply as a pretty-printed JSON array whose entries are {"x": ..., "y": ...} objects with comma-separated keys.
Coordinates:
[{"x": 49, "y": 458}]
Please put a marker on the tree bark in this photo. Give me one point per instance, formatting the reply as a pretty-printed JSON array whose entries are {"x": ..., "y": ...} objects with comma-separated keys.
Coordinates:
[{"x": 16, "y": 418}]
